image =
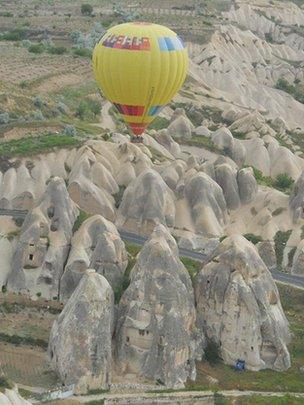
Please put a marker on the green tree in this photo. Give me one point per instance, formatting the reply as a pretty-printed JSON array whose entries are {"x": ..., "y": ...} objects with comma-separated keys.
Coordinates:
[{"x": 86, "y": 9}]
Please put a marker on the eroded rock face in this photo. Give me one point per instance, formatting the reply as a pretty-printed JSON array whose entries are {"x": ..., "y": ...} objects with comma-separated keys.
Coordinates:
[
  {"x": 156, "y": 332},
  {"x": 180, "y": 126},
  {"x": 298, "y": 260},
  {"x": 96, "y": 245},
  {"x": 91, "y": 184},
  {"x": 80, "y": 339},
  {"x": 226, "y": 178},
  {"x": 207, "y": 204},
  {"x": 247, "y": 184},
  {"x": 43, "y": 245},
  {"x": 267, "y": 253},
  {"x": 296, "y": 201},
  {"x": 238, "y": 307},
  {"x": 146, "y": 202}
]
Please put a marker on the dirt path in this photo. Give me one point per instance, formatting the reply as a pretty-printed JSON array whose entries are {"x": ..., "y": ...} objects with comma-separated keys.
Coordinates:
[
  {"x": 106, "y": 121},
  {"x": 206, "y": 396}
]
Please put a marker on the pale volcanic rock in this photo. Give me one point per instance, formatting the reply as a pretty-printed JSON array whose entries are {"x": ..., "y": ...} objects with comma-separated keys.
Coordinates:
[
  {"x": 146, "y": 202},
  {"x": 202, "y": 131},
  {"x": 172, "y": 172},
  {"x": 153, "y": 143},
  {"x": 238, "y": 307},
  {"x": 223, "y": 139},
  {"x": 298, "y": 260},
  {"x": 226, "y": 178},
  {"x": 91, "y": 197},
  {"x": 7, "y": 248},
  {"x": 252, "y": 122},
  {"x": 257, "y": 155},
  {"x": 247, "y": 185},
  {"x": 80, "y": 340},
  {"x": 267, "y": 253},
  {"x": 203, "y": 206},
  {"x": 180, "y": 126},
  {"x": 96, "y": 245},
  {"x": 168, "y": 142},
  {"x": 43, "y": 245},
  {"x": 296, "y": 201},
  {"x": 156, "y": 330},
  {"x": 245, "y": 68}
]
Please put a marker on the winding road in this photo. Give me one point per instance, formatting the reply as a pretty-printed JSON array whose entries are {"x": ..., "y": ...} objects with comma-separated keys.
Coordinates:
[{"x": 279, "y": 276}]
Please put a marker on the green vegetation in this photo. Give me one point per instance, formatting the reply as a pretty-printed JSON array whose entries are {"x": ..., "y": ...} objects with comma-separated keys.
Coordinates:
[
  {"x": 5, "y": 383},
  {"x": 33, "y": 145},
  {"x": 278, "y": 211},
  {"x": 297, "y": 91},
  {"x": 212, "y": 353},
  {"x": 23, "y": 340},
  {"x": 36, "y": 48},
  {"x": 86, "y": 9},
  {"x": 88, "y": 109},
  {"x": 283, "y": 182},
  {"x": 253, "y": 238},
  {"x": 159, "y": 123},
  {"x": 262, "y": 400},
  {"x": 85, "y": 52},
  {"x": 280, "y": 241},
  {"x": 291, "y": 256},
  {"x": 6, "y": 14},
  {"x": 16, "y": 34},
  {"x": 80, "y": 219},
  {"x": 118, "y": 196},
  {"x": 191, "y": 265},
  {"x": 239, "y": 135},
  {"x": 199, "y": 141},
  {"x": 97, "y": 402}
]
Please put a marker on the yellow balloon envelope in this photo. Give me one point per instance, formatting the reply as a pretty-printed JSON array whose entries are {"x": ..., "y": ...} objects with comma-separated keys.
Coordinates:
[{"x": 139, "y": 67}]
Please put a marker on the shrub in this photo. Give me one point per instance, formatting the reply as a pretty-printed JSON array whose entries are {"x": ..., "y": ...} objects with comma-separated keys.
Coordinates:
[
  {"x": 86, "y": 9},
  {"x": 56, "y": 50},
  {"x": 69, "y": 130},
  {"x": 63, "y": 108},
  {"x": 212, "y": 353},
  {"x": 80, "y": 219},
  {"x": 5, "y": 383},
  {"x": 253, "y": 238},
  {"x": 283, "y": 182},
  {"x": 4, "y": 118},
  {"x": 17, "y": 34},
  {"x": 88, "y": 108},
  {"x": 75, "y": 35},
  {"x": 36, "y": 48},
  {"x": 87, "y": 53},
  {"x": 38, "y": 116},
  {"x": 26, "y": 43},
  {"x": 280, "y": 241},
  {"x": 38, "y": 102},
  {"x": 23, "y": 84},
  {"x": 6, "y": 14},
  {"x": 159, "y": 123},
  {"x": 4, "y": 289}
]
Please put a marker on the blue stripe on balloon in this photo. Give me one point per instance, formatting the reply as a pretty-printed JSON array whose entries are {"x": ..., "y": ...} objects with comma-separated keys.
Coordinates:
[{"x": 170, "y": 44}]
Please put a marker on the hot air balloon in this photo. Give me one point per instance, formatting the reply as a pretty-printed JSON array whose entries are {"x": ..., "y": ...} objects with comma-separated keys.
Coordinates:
[{"x": 139, "y": 67}]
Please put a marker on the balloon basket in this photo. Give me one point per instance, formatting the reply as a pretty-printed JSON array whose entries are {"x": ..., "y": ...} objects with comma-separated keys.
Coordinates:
[{"x": 137, "y": 139}]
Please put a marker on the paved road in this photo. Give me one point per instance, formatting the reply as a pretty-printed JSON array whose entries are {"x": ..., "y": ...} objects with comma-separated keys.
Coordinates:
[{"x": 296, "y": 281}]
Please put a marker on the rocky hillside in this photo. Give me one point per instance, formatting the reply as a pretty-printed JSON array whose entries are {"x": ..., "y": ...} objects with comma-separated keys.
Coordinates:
[{"x": 220, "y": 173}]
